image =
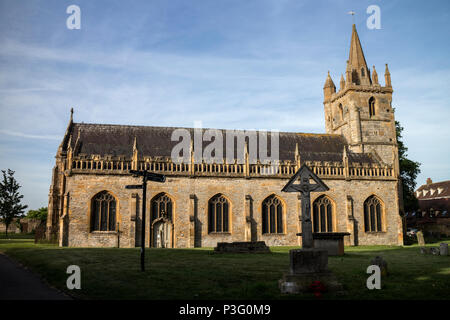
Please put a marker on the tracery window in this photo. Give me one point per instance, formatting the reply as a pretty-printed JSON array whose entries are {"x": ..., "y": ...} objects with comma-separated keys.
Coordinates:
[
  {"x": 373, "y": 215},
  {"x": 322, "y": 217},
  {"x": 161, "y": 205},
  {"x": 272, "y": 215},
  {"x": 218, "y": 214},
  {"x": 103, "y": 216}
]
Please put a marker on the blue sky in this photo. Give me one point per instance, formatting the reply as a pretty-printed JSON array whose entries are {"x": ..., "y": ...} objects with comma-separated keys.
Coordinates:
[{"x": 254, "y": 64}]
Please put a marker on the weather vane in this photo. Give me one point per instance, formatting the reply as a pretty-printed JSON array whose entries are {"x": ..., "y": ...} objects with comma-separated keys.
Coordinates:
[{"x": 353, "y": 15}]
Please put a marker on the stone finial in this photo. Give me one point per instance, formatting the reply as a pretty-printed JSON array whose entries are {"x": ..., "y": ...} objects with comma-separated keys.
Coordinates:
[
  {"x": 135, "y": 155},
  {"x": 342, "y": 83},
  {"x": 69, "y": 142},
  {"x": 71, "y": 114},
  {"x": 329, "y": 88},
  {"x": 429, "y": 181},
  {"x": 135, "y": 144},
  {"x": 387, "y": 77},
  {"x": 374, "y": 76},
  {"x": 297, "y": 156}
]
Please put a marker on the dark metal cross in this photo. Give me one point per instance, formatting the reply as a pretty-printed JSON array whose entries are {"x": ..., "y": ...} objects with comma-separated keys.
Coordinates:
[
  {"x": 146, "y": 176},
  {"x": 304, "y": 174}
]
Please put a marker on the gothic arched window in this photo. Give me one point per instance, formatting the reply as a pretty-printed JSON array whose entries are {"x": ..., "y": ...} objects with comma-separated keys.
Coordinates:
[
  {"x": 372, "y": 106},
  {"x": 272, "y": 215},
  {"x": 161, "y": 205},
  {"x": 341, "y": 111},
  {"x": 218, "y": 214},
  {"x": 322, "y": 217},
  {"x": 103, "y": 216},
  {"x": 362, "y": 72},
  {"x": 373, "y": 209}
]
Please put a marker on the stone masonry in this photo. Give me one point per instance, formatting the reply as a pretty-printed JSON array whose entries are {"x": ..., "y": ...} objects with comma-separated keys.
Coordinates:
[{"x": 357, "y": 159}]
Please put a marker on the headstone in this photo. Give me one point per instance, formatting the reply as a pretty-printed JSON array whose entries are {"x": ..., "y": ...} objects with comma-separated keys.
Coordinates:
[
  {"x": 435, "y": 251},
  {"x": 379, "y": 261},
  {"x": 308, "y": 261},
  {"x": 443, "y": 248},
  {"x": 420, "y": 238},
  {"x": 424, "y": 250},
  {"x": 242, "y": 247}
]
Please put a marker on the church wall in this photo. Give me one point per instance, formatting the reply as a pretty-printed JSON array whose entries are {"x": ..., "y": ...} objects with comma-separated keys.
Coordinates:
[{"x": 83, "y": 187}]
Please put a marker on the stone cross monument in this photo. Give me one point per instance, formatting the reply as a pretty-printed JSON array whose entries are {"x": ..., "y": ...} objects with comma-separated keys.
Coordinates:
[
  {"x": 307, "y": 264},
  {"x": 305, "y": 175}
]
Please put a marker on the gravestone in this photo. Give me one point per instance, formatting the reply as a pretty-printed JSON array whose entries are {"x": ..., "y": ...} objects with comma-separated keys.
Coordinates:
[
  {"x": 420, "y": 238},
  {"x": 434, "y": 251},
  {"x": 307, "y": 265},
  {"x": 242, "y": 247},
  {"x": 424, "y": 250},
  {"x": 333, "y": 242},
  {"x": 380, "y": 262},
  {"x": 443, "y": 248}
]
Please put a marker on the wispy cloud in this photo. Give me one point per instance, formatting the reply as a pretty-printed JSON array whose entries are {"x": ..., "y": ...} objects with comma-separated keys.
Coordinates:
[
  {"x": 30, "y": 136},
  {"x": 257, "y": 64}
]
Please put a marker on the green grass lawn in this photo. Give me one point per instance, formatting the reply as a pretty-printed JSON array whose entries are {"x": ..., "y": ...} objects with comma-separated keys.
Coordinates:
[
  {"x": 111, "y": 273},
  {"x": 16, "y": 235}
]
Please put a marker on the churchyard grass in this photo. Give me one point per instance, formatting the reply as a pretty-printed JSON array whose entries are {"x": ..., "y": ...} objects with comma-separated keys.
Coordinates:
[
  {"x": 111, "y": 273},
  {"x": 12, "y": 235}
]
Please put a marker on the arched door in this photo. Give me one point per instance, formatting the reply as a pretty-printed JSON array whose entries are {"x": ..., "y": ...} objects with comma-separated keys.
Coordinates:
[{"x": 162, "y": 234}]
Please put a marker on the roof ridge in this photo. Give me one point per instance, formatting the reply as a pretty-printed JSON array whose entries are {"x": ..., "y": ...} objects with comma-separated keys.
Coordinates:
[{"x": 171, "y": 127}]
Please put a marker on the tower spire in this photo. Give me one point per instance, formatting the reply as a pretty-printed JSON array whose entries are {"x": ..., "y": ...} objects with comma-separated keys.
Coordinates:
[
  {"x": 356, "y": 57},
  {"x": 357, "y": 61}
]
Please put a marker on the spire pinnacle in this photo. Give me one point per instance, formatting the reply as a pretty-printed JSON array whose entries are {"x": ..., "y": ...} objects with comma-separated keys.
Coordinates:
[
  {"x": 374, "y": 76},
  {"x": 356, "y": 56},
  {"x": 329, "y": 88},
  {"x": 135, "y": 144},
  {"x": 342, "y": 82},
  {"x": 387, "y": 77},
  {"x": 329, "y": 82}
]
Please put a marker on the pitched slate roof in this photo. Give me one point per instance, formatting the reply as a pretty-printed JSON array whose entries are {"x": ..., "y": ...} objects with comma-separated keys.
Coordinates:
[
  {"x": 434, "y": 190},
  {"x": 118, "y": 140}
]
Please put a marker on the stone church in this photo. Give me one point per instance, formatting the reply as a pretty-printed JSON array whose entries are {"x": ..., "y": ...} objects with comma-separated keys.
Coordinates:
[{"x": 203, "y": 203}]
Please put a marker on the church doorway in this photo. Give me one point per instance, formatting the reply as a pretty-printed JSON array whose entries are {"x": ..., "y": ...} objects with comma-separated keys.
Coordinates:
[{"x": 161, "y": 232}]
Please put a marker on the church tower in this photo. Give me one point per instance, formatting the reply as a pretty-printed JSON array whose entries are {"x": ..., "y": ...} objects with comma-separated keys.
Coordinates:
[{"x": 361, "y": 110}]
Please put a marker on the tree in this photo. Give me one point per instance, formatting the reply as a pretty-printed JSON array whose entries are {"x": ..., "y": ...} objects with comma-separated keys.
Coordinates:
[
  {"x": 40, "y": 214},
  {"x": 10, "y": 198},
  {"x": 408, "y": 173}
]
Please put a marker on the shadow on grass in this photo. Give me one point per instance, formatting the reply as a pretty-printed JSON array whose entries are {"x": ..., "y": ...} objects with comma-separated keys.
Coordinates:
[{"x": 111, "y": 273}]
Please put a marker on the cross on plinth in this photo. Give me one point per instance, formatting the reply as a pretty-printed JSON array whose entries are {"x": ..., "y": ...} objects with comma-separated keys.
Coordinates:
[
  {"x": 304, "y": 175},
  {"x": 146, "y": 176}
]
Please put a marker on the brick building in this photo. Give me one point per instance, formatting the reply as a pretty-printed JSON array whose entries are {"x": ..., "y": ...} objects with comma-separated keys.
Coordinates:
[
  {"x": 203, "y": 203},
  {"x": 434, "y": 207}
]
